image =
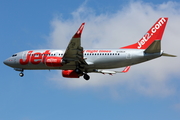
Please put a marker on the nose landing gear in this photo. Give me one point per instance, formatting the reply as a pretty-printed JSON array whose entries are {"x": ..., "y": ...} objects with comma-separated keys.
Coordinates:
[{"x": 21, "y": 74}]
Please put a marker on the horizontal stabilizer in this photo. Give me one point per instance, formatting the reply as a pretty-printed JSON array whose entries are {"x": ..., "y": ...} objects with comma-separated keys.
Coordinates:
[{"x": 168, "y": 55}]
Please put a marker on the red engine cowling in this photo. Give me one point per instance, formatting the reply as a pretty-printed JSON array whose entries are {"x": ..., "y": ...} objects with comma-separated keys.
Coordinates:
[
  {"x": 53, "y": 61},
  {"x": 70, "y": 74}
]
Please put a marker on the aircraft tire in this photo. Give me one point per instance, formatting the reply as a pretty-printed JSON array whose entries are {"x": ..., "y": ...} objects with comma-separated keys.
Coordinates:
[
  {"x": 21, "y": 74},
  {"x": 86, "y": 77}
]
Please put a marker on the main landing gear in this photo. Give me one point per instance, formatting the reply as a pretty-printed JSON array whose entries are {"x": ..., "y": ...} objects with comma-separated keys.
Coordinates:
[{"x": 85, "y": 75}]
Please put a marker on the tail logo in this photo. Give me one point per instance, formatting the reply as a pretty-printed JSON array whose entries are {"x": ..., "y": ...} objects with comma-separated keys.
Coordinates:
[
  {"x": 151, "y": 32},
  {"x": 144, "y": 40}
]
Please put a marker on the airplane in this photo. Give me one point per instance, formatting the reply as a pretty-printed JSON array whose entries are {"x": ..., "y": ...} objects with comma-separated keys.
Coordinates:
[{"x": 75, "y": 61}]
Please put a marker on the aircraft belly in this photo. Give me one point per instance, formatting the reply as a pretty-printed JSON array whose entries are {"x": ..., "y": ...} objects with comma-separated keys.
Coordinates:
[{"x": 43, "y": 66}]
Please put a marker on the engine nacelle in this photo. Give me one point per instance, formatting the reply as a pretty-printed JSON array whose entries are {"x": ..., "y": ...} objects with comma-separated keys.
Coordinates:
[
  {"x": 53, "y": 61},
  {"x": 70, "y": 74}
]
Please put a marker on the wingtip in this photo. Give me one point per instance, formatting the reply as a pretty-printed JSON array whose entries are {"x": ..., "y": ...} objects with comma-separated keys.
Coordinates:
[
  {"x": 126, "y": 69},
  {"x": 79, "y": 32}
]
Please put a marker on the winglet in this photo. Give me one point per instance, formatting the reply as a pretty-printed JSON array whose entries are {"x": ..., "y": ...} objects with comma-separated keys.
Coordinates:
[
  {"x": 78, "y": 33},
  {"x": 126, "y": 69}
]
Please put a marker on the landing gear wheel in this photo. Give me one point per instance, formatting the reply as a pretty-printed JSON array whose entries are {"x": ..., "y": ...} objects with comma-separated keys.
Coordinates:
[
  {"x": 86, "y": 77},
  {"x": 21, "y": 74}
]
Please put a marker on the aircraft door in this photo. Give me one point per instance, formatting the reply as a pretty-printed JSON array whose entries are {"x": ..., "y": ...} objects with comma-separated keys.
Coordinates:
[
  {"x": 24, "y": 55},
  {"x": 128, "y": 56}
]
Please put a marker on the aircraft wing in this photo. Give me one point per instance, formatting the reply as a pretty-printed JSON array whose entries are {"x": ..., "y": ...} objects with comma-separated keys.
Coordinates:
[{"x": 74, "y": 51}]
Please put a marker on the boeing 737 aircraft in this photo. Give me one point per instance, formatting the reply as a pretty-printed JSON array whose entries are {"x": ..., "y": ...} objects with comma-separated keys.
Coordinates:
[{"x": 76, "y": 61}]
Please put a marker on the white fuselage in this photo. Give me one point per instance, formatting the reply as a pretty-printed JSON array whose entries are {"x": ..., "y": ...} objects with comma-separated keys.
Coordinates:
[{"x": 95, "y": 58}]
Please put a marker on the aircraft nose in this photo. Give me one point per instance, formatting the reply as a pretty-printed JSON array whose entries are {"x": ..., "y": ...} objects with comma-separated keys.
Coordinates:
[
  {"x": 5, "y": 62},
  {"x": 8, "y": 62}
]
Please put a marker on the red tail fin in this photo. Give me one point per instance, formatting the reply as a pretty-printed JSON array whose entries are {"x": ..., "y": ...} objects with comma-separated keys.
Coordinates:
[{"x": 155, "y": 33}]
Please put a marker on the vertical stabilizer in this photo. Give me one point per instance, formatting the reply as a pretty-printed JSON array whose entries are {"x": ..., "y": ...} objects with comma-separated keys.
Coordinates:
[{"x": 154, "y": 34}]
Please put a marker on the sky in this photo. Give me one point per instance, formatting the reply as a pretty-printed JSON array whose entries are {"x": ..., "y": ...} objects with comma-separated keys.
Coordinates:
[{"x": 150, "y": 90}]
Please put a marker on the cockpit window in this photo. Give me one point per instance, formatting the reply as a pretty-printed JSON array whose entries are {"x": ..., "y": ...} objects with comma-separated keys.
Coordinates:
[{"x": 14, "y": 55}]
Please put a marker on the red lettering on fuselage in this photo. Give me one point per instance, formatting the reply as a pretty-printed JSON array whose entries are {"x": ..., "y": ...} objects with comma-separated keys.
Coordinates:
[
  {"x": 24, "y": 62},
  {"x": 96, "y": 51},
  {"x": 91, "y": 51},
  {"x": 34, "y": 58},
  {"x": 45, "y": 55},
  {"x": 105, "y": 51}
]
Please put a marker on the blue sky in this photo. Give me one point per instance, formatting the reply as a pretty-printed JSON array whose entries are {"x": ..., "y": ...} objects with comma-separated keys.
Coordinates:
[{"x": 149, "y": 91}]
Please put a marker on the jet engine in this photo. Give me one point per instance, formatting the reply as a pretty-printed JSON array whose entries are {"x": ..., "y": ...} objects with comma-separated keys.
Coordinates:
[{"x": 70, "y": 74}]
